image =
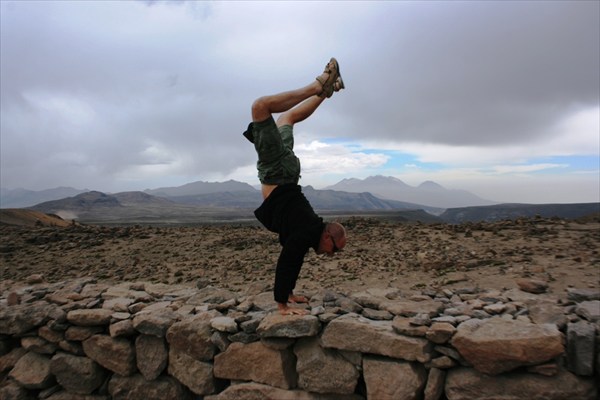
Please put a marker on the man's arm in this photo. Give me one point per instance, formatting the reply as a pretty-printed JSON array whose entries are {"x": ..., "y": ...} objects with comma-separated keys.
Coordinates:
[{"x": 288, "y": 268}]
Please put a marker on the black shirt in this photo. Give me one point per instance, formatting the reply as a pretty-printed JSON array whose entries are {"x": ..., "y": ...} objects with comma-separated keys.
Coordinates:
[{"x": 287, "y": 212}]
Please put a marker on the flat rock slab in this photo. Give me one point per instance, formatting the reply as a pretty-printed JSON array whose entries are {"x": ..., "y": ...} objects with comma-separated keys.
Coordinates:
[
  {"x": 254, "y": 391},
  {"x": 468, "y": 384},
  {"x": 354, "y": 333},
  {"x": 411, "y": 308},
  {"x": 91, "y": 317},
  {"x": 257, "y": 362},
  {"x": 498, "y": 345},
  {"x": 289, "y": 326}
]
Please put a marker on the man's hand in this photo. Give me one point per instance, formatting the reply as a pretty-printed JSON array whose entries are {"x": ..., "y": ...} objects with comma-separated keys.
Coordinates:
[{"x": 284, "y": 309}]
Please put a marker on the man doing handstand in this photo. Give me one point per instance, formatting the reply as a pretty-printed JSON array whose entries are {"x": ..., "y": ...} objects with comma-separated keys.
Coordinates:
[{"x": 285, "y": 210}]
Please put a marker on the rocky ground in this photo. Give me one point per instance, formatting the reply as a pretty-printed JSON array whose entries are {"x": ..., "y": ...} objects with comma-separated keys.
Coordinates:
[{"x": 379, "y": 254}]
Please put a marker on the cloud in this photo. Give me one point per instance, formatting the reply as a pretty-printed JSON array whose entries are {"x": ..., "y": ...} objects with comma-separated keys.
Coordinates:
[{"x": 128, "y": 95}]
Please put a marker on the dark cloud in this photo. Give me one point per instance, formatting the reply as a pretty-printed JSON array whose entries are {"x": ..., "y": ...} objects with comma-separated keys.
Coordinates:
[{"x": 94, "y": 93}]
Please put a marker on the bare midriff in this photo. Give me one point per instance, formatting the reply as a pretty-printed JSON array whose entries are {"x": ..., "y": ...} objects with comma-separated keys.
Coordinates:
[{"x": 267, "y": 189}]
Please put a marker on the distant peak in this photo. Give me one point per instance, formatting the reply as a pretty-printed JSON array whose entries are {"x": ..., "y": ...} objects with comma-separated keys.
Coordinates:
[{"x": 430, "y": 185}]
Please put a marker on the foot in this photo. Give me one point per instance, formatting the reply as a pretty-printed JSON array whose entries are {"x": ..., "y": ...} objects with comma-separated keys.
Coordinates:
[
  {"x": 329, "y": 76},
  {"x": 336, "y": 87},
  {"x": 284, "y": 309},
  {"x": 297, "y": 299}
]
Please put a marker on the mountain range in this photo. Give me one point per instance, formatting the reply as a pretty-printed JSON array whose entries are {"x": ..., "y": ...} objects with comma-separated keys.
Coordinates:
[
  {"x": 239, "y": 194},
  {"x": 427, "y": 193},
  {"x": 201, "y": 202}
]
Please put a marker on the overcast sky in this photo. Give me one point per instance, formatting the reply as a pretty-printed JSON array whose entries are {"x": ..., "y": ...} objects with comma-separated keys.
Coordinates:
[{"x": 498, "y": 98}]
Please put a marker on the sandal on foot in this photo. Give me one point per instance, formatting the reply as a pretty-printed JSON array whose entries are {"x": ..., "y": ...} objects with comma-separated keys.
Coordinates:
[
  {"x": 336, "y": 87},
  {"x": 332, "y": 69}
]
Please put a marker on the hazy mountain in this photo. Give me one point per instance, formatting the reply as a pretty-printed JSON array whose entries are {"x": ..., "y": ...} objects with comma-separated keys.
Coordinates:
[
  {"x": 130, "y": 207},
  {"x": 428, "y": 193},
  {"x": 512, "y": 211},
  {"x": 200, "y": 187},
  {"x": 18, "y": 198}
]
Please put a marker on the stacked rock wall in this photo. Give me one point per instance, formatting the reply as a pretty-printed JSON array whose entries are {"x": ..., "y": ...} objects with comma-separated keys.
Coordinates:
[{"x": 87, "y": 340}]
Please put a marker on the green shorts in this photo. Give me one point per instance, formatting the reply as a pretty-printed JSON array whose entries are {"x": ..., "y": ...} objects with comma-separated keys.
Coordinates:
[{"x": 277, "y": 164}]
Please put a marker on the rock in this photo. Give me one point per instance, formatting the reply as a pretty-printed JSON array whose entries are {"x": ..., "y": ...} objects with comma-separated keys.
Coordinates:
[
  {"x": 589, "y": 310},
  {"x": 581, "y": 339},
  {"x": 137, "y": 388},
  {"x": 192, "y": 336},
  {"x": 155, "y": 322},
  {"x": 32, "y": 371},
  {"x": 494, "y": 309},
  {"x": 115, "y": 354},
  {"x": 354, "y": 333},
  {"x": 392, "y": 379},
  {"x": 195, "y": 374},
  {"x": 90, "y": 317},
  {"x": 412, "y": 308},
  {"x": 579, "y": 295},
  {"x": 534, "y": 286},
  {"x": 50, "y": 335},
  {"x": 348, "y": 305},
  {"x": 79, "y": 375},
  {"x": 220, "y": 340},
  {"x": 546, "y": 312},
  {"x": 290, "y": 326},
  {"x": 520, "y": 295},
  {"x": 257, "y": 391},
  {"x": 440, "y": 332},
  {"x": 151, "y": 355},
  {"x": 119, "y": 304},
  {"x": 224, "y": 324},
  {"x": 263, "y": 302},
  {"x": 122, "y": 328},
  {"x": 12, "y": 391},
  {"x": 81, "y": 333},
  {"x": 8, "y": 361},
  {"x": 378, "y": 315},
  {"x": 314, "y": 363},
  {"x": 19, "y": 319},
  {"x": 403, "y": 326},
  {"x": 211, "y": 295},
  {"x": 38, "y": 345},
  {"x": 240, "y": 361},
  {"x": 497, "y": 345},
  {"x": 435, "y": 384},
  {"x": 467, "y": 384}
]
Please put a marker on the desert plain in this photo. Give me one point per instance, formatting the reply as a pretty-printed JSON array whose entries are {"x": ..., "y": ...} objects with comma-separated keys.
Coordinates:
[{"x": 560, "y": 253}]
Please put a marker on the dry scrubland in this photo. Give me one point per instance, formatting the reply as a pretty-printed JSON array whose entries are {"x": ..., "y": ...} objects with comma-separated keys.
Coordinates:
[{"x": 379, "y": 254}]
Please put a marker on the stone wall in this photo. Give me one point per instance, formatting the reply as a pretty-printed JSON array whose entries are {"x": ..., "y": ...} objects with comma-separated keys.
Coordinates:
[{"x": 87, "y": 340}]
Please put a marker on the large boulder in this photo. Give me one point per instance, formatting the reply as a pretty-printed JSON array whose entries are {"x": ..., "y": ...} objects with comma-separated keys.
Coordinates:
[
  {"x": 79, "y": 375},
  {"x": 498, "y": 345},
  {"x": 195, "y": 374},
  {"x": 581, "y": 339},
  {"x": 19, "y": 319},
  {"x": 257, "y": 362},
  {"x": 115, "y": 354},
  {"x": 354, "y": 333},
  {"x": 388, "y": 379},
  {"x": 314, "y": 363},
  {"x": 137, "y": 388},
  {"x": 258, "y": 391},
  {"x": 290, "y": 326},
  {"x": 469, "y": 384},
  {"x": 32, "y": 371},
  {"x": 151, "y": 355},
  {"x": 193, "y": 337}
]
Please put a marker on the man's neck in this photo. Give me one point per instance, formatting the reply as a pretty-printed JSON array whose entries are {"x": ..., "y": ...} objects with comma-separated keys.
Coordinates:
[{"x": 267, "y": 190}]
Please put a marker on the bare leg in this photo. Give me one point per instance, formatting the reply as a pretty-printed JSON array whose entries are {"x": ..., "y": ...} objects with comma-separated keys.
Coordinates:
[
  {"x": 301, "y": 112},
  {"x": 265, "y": 106}
]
